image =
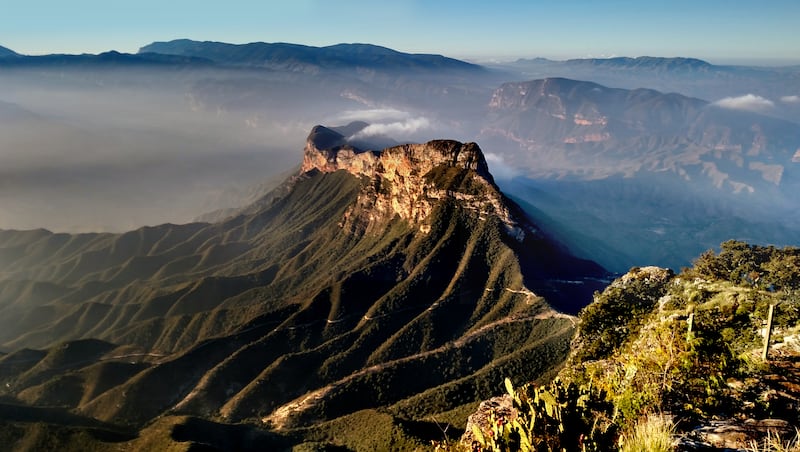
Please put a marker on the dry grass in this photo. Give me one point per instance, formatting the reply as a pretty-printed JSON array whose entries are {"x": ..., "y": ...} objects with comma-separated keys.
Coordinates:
[
  {"x": 654, "y": 433},
  {"x": 774, "y": 443}
]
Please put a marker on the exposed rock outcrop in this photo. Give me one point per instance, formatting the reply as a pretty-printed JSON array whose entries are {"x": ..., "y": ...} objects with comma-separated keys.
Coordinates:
[
  {"x": 499, "y": 407},
  {"x": 409, "y": 179},
  {"x": 650, "y": 274}
]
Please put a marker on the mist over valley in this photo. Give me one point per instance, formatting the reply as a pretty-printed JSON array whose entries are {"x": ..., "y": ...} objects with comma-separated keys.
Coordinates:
[{"x": 112, "y": 142}]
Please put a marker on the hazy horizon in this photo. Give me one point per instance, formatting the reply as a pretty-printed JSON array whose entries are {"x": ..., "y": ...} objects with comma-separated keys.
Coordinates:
[
  {"x": 715, "y": 30},
  {"x": 483, "y": 59}
]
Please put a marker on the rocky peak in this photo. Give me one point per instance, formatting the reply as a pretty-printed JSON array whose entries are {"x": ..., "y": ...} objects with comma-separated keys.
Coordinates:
[
  {"x": 408, "y": 179},
  {"x": 328, "y": 150}
]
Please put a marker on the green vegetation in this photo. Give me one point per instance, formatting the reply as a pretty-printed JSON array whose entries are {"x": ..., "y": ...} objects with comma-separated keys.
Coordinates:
[
  {"x": 455, "y": 178},
  {"x": 666, "y": 367},
  {"x": 553, "y": 417},
  {"x": 636, "y": 357},
  {"x": 311, "y": 320},
  {"x": 619, "y": 312},
  {"x": 756, "y": 266}
]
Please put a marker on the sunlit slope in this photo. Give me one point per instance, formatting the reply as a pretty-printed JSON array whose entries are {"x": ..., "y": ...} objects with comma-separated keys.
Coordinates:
[{"x": 312, "y": 308}]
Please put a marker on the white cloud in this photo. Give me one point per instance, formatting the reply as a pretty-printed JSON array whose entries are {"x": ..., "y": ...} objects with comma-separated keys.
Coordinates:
[
  {"x": 373, "y": 115},
  {"x": 396, "y": 129},
  {"x": 790, "y": 99},
  {"x": 499, "y": 168},
  {"x": 749, "y": 102}
]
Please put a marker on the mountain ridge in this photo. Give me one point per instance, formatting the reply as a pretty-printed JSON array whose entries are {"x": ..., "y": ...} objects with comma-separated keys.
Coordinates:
[
  {"x": 575, "y": 127},
  {"x": 6, "y": 52},
  {"x": 303, "y": 57},
  {"x": 659, "y": 64},
  {"x": 621, "y": 168},
  {"x": 235, "y": 321},
  {"x": 110, "y": 58}
]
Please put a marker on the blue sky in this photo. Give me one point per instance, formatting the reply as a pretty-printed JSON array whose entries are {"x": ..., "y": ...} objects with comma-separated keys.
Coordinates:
[{"x": 717, "y": 30}]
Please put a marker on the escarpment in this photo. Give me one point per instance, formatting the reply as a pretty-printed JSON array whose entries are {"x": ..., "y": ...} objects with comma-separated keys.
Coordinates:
[{"x": 409, "y": 179}]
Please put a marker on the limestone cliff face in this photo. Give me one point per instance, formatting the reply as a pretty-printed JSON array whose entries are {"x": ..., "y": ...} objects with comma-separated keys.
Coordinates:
[{"x": 408, "y": 180}]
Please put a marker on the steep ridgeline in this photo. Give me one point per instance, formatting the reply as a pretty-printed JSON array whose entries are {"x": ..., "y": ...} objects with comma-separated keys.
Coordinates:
[{"x": 400, "y": 279}]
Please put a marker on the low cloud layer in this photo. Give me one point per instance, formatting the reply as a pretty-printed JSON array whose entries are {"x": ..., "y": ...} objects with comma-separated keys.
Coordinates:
[
  {"x": 499, "y": 168},
  {"x": 396, "y": 129},
  {"x": 373, "y": 115},
  {"x": 790, "y": 99},
  {"x": 748, "y": 102}
]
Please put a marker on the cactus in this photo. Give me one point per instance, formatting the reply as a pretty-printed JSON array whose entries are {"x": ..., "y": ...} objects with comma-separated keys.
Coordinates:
[{"x": 556, "y": 417}]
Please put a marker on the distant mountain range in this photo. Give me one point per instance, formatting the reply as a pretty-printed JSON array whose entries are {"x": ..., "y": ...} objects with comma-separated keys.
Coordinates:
[
  {"x": 672, "y": 65},
  {"x": 106, "y": 59},
  {"x": 659, "y": 64},
  {"x": 301, "y": 57},
  {"x": 587, "y": 130},
  {"x": 5, "y": 52},
  {"x": 688, "y": 76},
  {"x": 279, "y": 56},
  {"x": 617, "y": 170}
]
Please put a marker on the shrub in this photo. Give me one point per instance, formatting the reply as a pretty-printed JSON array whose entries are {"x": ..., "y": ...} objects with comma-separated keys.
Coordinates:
[
  {"x": 555, "y": 417},
  {"x": 617, "y": 314}
]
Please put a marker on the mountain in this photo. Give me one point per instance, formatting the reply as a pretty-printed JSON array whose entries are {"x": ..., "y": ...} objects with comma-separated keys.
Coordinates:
[
  {"x": 11, "y": 113},
  {"x": 172, "y": 118},
  {"x": 687, "y": 76},
  {"x": 575, "y": 127},
  {"x": 304, "y": 58},
  {"x": 655, "y": 64},
  {"x": 615, "y": 169},
  {"x": 663, "y": 66},
  {"x": 401, "y": 280},
  {"x": 105, "y": 59},
  {"x": 5, "y": 52}
]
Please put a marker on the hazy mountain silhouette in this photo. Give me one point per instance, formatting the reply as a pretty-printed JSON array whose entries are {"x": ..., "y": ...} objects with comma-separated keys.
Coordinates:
[
  {"x": 6, "y": 52},
  {"x": 105, "y": 59},
  {"x": 592, "y": 131},
  {"x": 687, "y": 76},
  {"x": 301, "y": 57},
  {"x": 656, "y": 64},
  {"x": 621, "y": 169}
]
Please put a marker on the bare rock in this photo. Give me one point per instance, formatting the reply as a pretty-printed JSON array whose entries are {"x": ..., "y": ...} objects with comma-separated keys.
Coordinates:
[
  {"x": 501, "y": 406},
  {"x": 735, "y": 435},
  {"x": 409, "y": 180}
]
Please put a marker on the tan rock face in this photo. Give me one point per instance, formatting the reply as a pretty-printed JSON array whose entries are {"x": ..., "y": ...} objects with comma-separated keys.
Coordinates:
[
  {"x": 400, "y": 180},
  {"x": 500, "y": 407},
  {"x": 649, "y": 273}
]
